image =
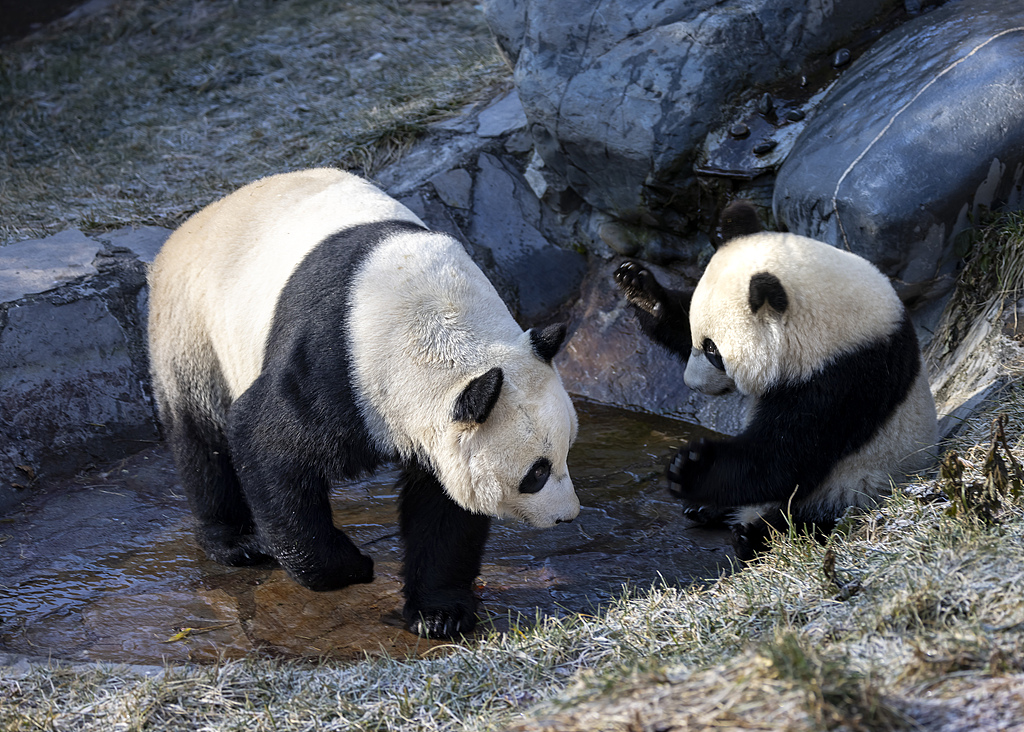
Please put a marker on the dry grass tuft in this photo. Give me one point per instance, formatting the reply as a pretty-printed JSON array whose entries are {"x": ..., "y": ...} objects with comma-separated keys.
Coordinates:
[{"x": 145, "y": 112}]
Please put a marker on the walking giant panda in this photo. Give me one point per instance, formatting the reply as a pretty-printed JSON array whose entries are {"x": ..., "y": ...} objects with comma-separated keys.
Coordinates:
[
  {"x": 308, "y": 327},
  {"x": 818, "y": 339}
]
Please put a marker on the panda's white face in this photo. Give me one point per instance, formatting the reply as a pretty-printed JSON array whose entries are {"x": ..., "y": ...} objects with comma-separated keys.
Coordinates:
[
  {"x": 776, "y": 307},
  {"x": 705, "y": 370},
  {"x": 514, "y": 464},
  {"x": 425, "y": 324}
]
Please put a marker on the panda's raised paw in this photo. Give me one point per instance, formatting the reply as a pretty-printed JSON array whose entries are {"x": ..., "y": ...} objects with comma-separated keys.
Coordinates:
[{"x": 640, "y": 287}]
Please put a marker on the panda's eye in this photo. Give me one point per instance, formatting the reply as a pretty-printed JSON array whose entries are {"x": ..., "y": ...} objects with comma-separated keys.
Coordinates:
[
  {"x": 712, "y": 354},
  {"x": 536, "y": 477}
]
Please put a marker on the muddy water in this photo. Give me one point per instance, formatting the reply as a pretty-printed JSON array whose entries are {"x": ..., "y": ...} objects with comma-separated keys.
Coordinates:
[{"x": 104, "y": 567}]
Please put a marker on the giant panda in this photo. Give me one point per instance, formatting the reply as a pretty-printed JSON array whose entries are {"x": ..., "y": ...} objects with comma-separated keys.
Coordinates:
[
  {"x": 308, "y": 327},
  {"x": 816, "y": 337}
]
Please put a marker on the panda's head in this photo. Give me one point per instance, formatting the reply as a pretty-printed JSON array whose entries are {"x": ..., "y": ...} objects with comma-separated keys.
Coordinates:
[
  {"x": 773, "y": 307},
  {"x": 507, "y": 442}
]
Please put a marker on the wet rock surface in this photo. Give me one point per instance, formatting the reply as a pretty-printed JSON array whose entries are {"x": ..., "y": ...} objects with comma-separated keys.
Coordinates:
[
  {"x": 72, "y": 358},
  {"x": 620, "y": 94},
  {"x": 610, "y": 360},
  {"x": 104, "y": 566},
  {"x": 918, "y": 137}
]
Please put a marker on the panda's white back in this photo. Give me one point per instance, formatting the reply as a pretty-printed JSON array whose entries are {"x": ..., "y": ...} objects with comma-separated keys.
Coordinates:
[{"x": 259, "y": 233}]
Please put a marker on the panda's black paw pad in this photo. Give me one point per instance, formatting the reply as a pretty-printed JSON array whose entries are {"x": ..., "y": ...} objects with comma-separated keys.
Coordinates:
[
  {"x": 445, "y": 623},
  {"x": 639, "y": 286},
  {"x": 705, "y": 517},
  {"x": 692, "y": 459}
]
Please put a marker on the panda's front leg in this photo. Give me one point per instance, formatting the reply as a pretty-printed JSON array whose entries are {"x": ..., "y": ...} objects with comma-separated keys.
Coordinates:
[
  {"x": 664, "y": 314},
  {"x": 690, "y": 463},
  {"x": 444, "y": 544},
  {"x": 284, "y": 482}
]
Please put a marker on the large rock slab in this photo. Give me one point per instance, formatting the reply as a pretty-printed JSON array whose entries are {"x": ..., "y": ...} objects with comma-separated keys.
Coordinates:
[
  {"x": 620, "y": 94},
  {"x": 40, "y": 265},
  {"x": 73, "y": 367},
  {"x": 921, "y": 134},
  {"x": 535, "y": 275}
]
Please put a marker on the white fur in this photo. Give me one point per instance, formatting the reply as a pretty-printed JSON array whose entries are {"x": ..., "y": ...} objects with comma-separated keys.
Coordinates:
[
  {"x": 425, "y": 321},
  {"x": 193, "y": 278},
  {"x": 837, "y": 302},
  {"x": 445, "y": 326}
]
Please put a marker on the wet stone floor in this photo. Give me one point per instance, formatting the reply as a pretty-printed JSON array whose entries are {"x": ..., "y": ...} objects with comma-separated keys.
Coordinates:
[{"x": 103, "y": 567}]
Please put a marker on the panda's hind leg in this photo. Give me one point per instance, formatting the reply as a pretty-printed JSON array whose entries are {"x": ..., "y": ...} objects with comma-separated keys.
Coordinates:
[
  {"x": 752, "y": 535},
  {"x": 443, "y": 547},
  {"x": 225, "y": 529}
]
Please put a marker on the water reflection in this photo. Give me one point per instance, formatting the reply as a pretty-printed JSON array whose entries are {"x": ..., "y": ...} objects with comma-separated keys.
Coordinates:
[{"x": 104, "y": 566}]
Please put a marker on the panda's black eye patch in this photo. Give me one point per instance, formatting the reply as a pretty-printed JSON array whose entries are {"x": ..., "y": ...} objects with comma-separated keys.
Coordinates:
[
  {"x": 712, "y": 354},
  {"x": 536, "y": 477}
]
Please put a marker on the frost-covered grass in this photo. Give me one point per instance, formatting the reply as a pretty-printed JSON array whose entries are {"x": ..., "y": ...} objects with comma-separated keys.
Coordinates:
[
  {"x": 146, "y": 111},
  {"x": 915, "y": 613}
]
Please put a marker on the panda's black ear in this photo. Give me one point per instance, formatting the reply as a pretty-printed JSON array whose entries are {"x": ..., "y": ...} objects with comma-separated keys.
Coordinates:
[
  {"x": 739, "y": 218},
  {"x": 479, "y": 397},
  {"x": 547, "y": 342},
  {"x": 766, "y": 288}
]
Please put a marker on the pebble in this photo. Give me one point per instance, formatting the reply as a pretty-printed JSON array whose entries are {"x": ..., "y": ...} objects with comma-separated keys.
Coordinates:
[
  {"x": 795, "y": 115},
  {"x": 841, "y": 58},
  {"x": 763, "y": 148},
  {"x": 739, "y": 130}
]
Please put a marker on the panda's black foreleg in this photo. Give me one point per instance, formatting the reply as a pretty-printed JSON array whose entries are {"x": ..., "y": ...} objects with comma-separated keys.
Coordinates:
[
  {"x": 225, "y": 528},
  {"x": 290, "y": 502},
  {"x": 444, "y": 544},
  {"x": 285, "y": 467},
  {"x": 663, "y": 314}
]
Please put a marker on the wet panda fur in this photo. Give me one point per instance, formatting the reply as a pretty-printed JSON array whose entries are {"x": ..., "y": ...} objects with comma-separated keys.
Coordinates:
[
  {"x": 308, "y": 328},
  {"x": 816, "y": 337}
]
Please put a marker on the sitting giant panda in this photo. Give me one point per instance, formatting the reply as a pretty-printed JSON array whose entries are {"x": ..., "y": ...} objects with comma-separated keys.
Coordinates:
[
  {"x": 820, "y": 342},
  {"x": 307, "y": 328}
]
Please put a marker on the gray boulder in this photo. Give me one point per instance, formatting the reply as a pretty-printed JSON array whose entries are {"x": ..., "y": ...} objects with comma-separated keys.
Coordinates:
[
  {"x": 609, "y": 359},
  {"x": 922, "y": 133},
  {"x": 620, "y": 94}
]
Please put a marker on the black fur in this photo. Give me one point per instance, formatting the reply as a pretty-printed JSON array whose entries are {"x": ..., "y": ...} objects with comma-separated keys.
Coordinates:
[
  {"x": 799, "y": 432},
  {"x": 664, "y": 314},
  {"x": 479, "y": 397},
  {"x": 225, "y": 530},
  {"x": 263, "y": 488},
  {"x": 298, "y": 425},
  {"x": 443, "y": 547},
  {"x": 739, "y": 218},
  {"x": 766, "y": 288},
  {"x": 547, "y": 342}
]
